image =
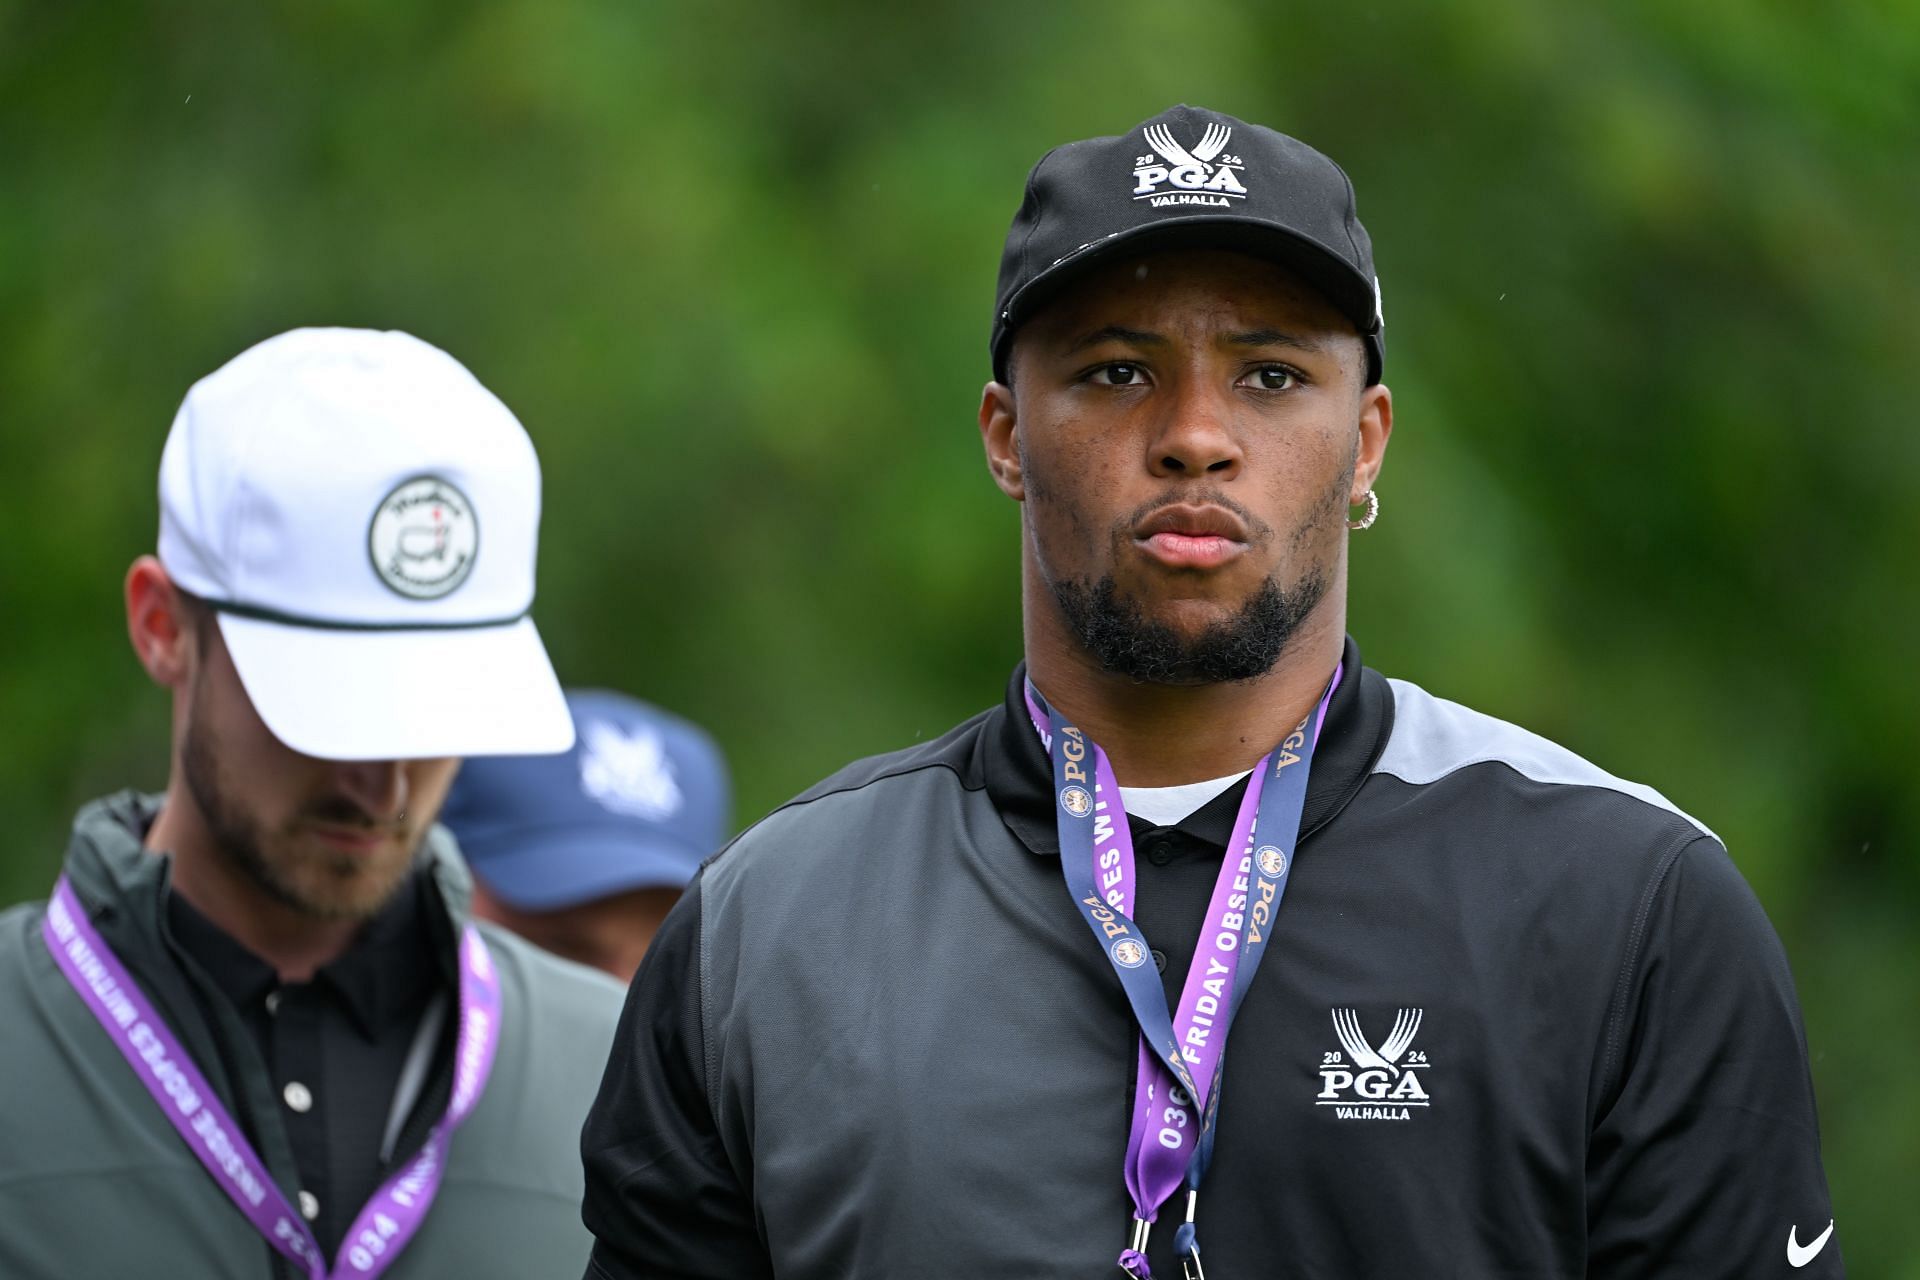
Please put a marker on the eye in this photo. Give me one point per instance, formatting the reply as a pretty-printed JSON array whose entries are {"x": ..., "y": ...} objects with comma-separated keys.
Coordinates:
[
  {"x": 1119, "y": 374},
  {"x": 1271, "y": 377}
]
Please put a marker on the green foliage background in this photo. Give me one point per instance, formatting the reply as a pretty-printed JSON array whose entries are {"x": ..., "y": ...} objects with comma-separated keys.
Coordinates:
[{"x": 1649, "y": 273}]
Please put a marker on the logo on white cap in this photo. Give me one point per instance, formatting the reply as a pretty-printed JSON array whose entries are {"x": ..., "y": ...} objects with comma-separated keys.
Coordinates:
[{"x": 423, "y": 538}]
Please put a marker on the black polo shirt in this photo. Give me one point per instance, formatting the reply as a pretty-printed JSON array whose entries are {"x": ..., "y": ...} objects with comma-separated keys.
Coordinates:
[
  {"x": 1518, "y": 1017},
  {"x": 336, "y": 1047}
]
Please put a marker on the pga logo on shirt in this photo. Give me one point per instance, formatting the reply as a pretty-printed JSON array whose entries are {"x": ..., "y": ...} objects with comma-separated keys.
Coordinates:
[
  {"x": 1361, "y": 1082},
  {"x": 1272, "y": 861}
]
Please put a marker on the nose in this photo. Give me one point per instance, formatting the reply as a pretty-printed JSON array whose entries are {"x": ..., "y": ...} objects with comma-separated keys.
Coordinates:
[
  {"x": 1194, "y": 436},
  {"x": 377, "y": 786}
]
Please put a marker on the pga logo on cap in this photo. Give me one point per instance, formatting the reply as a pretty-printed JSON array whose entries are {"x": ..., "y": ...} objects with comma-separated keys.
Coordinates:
[
  {"x": 1194, "y": 175},
  {"x": 423, "y": 538}
]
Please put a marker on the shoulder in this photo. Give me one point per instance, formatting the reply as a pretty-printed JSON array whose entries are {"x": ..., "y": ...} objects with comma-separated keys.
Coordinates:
[
  {"x": 27, "y": 968},
  {"x": 949, "y": 763},
  {"x": 953, "y": 752},
  {"x": 821, "y": 838},
  {"x": 18, "y": 922},
  {"x": 1436, "y": 742},
  {"x": 25, "y": 961}
]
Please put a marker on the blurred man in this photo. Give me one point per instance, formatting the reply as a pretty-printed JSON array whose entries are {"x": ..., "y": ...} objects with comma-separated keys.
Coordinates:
[
  {"x": 254, "y": 1032},
  {"x": 965, "y": 1010},
  {"x": 584, "y": 853}
]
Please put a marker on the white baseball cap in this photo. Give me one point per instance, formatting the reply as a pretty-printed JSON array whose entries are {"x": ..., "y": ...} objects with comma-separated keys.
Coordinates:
[{"x": 363, "y": 516}]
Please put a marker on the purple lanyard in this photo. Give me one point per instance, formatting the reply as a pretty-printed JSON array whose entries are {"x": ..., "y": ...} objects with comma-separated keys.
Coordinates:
[
  {"x": 1180, "y": 1055},
  {"x": 388, "y": 1221}
]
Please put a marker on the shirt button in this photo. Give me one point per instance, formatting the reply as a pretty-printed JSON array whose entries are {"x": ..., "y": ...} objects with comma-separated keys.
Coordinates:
[
  {"x": 298, "y": 1096},
  {"x": 1159, "y": 853},
  {"x": 273, "y": 1002},
  {"x": 1159, "y": 959},
  {"x": 309, "y": 1205}
]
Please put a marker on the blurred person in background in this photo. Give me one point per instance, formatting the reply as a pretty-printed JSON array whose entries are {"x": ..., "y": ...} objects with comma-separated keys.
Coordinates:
[
  {"x": 1521, "y": 1017},
  {"x": 584, "y": 853},
  {"x": 255, "y": 1031}
]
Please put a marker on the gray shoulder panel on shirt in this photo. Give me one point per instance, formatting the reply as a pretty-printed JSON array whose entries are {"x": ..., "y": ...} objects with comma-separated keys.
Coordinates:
[{"x": 1433, "y": 738}]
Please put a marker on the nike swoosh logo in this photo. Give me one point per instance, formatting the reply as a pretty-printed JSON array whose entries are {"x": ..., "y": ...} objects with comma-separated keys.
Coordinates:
[{"x": 1799, "y": 1255}]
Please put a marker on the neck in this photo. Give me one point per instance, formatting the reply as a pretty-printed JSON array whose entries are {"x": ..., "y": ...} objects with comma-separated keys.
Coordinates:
[
  {"x": 296, "y": 943},
  {"x": 1167, "y": 735}
]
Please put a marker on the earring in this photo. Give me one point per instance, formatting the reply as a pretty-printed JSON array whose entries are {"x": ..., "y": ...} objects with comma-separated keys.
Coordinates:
[{"x": 1373, "y": 513}]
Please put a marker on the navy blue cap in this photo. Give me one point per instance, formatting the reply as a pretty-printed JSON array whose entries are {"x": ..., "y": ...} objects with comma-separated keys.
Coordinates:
[{"x": 638, "y": 803}]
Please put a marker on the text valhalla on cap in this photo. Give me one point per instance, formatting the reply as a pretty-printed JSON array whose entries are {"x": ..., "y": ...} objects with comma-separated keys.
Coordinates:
[
  {"x": 363, "y": 516},
  {"x": 1188, "y": 178}
]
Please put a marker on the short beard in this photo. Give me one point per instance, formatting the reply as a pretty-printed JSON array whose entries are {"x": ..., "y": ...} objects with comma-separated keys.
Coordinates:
[
  {"x": 238, "y": 841},
  {"x": 1124, "y": 641}
]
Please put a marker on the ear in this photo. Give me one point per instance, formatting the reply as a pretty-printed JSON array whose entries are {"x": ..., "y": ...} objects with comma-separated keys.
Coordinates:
[
  {"x": 1376, "y": 426},
  {"x": 158, "y": 624},
  {"x": 998, "y": 421}
]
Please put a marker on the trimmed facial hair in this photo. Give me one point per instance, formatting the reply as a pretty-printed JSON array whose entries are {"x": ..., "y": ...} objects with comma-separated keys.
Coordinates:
[
  {"x": 330, "y": 889},
  {"x": 1123, "y": 640}
]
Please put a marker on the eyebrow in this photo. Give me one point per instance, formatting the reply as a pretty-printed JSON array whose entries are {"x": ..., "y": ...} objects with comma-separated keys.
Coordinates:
[
  {"x": 1116, "y": 333},
  {"x": 1274, "y": 338}
]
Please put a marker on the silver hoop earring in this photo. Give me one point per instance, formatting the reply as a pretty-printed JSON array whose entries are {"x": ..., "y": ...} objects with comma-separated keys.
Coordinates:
[{"x": 1373, "y": 513}]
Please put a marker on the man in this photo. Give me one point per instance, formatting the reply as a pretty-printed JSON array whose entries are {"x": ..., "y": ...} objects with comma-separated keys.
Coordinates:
[
  {"x": 584, "y": 853},
  {"x": 1520, "y": 1018},
  {"x": 254, "y": 1033}
]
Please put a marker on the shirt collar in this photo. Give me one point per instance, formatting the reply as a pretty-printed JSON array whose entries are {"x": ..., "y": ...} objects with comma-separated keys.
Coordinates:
[
  {"x": 1019, "y": 777},
  {"x": 1212, "y": 823},
  {"x": 379, "y": 981},
  {"x": 241, "y": 976}
]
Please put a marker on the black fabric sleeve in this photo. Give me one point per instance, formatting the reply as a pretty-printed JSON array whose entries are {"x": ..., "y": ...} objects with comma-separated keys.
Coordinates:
[
  {"x": 663, "y": 1201},
  {"x": 1707, "y": 1152}
]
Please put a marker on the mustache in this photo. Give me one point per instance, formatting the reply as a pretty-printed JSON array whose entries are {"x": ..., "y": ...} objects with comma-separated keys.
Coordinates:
[{"x": 1205, "y": 495}]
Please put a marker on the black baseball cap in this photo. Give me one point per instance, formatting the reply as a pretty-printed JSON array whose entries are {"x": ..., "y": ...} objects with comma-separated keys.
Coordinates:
[{"x": 1188, "y": 178}]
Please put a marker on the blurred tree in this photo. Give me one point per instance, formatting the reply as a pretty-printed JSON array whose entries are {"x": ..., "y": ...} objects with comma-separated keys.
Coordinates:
[{"x": 1648, "y": 272}]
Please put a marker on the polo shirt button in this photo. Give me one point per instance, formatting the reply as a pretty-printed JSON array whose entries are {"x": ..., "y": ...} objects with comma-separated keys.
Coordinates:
[
  {"x": 309, "y": 1205},
  {"x": 1159, "y": 853},
  {"x": 1159, "y": 959},
  {"x": 273, "y": 1002},
  {"x": 298, "y": 1096}
]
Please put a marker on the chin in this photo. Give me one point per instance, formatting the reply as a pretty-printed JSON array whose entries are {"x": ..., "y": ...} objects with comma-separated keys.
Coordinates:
[
  {"x": 1190, "y": 618},
  {"x": 348, "y": 902},
  {"x": 1186, "y": 641},
  {"x": 331, "y": 887}
]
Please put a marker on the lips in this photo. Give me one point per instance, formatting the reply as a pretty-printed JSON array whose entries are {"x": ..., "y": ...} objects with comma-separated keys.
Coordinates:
[
  {"x": 1191, "y": 537},
  {"x": 357, "y": 839}
]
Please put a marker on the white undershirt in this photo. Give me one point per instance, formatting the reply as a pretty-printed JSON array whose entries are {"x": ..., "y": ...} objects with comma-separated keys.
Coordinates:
[{"x": 1164, "y": 806}]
